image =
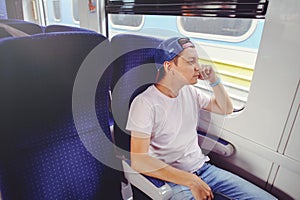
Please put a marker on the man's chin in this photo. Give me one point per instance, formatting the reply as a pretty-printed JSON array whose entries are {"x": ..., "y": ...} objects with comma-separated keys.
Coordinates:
[{"x": 194, "y": 82}]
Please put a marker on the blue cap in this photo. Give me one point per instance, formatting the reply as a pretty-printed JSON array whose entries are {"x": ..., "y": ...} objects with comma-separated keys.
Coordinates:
[{"x": 169, "y": 49}]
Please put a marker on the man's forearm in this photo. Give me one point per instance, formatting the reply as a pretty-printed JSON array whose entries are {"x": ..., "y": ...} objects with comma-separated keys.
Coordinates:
[
  {"x": 222, "y": 99},
  {"x": 153, "y": 167}
]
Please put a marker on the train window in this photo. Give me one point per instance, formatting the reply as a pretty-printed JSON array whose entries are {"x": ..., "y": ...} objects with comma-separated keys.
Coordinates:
[
  {"x": 126, "y": 21},
  {"x": 234, "y": 60},
  {"x": 227, "y": 32},
  {"x": 75, "y": 10},
  {"x": 56, "y": 10},
  {"x": 3, "y": 12},
  {"x": 221, "y": 38},
  {"x": 224, "y": 29}
]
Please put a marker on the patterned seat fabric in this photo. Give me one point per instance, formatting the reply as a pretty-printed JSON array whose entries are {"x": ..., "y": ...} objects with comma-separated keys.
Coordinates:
[
  {"x": 41, "y": 154},
  {"x": 134, "y": 70}
]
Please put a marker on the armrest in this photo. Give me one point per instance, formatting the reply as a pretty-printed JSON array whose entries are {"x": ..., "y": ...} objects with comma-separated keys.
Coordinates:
[
  {"x": 214, "y": 144},
  {"x": 161, "y": 192}
]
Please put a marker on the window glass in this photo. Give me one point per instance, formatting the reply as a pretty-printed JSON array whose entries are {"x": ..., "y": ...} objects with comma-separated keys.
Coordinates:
[
  {"x": 75, "y": 10},
  {"x": 56, "y": 9},
  {"x": 236, "y": 38},
  {"x": 217, "y": 26},
  {"x": 230, "y": 45},
  {"x": 3, "y": 12},
  {"x": 63, "y": 12},
  {"x": 126, "y": 21},
  {"x": 223, "y": 29}
]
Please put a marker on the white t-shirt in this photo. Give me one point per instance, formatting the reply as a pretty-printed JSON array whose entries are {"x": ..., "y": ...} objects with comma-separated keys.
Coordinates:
[{"x": 171, "y": 124}]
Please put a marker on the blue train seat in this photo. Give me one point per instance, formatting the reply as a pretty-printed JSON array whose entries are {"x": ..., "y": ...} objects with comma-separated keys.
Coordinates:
[
  {"x": 133, "y": 69},
  {"x": 41, "y": 153},
  {"x": 64, "y": 28},
  {"x": 133, "y": 72},
  {"x": 134, "y": 54},
  {"x": 24, "y": 26}
]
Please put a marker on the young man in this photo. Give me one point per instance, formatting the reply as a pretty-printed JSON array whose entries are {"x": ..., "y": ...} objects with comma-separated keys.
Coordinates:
[{"x": 163, "y": 121}]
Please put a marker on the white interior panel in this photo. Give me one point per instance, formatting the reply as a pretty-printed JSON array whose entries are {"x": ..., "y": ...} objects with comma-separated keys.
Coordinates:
[
  {"x": 292, "y": 149},
  {"x": 245, "y": 161},
  {"x": 88, "y": 20},
  {"x": 275, "y": 77},
  {"x": 287, "y": 181}
]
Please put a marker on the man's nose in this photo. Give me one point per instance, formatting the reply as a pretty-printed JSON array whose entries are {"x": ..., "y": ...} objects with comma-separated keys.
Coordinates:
[{"x": 197, "y": 67}]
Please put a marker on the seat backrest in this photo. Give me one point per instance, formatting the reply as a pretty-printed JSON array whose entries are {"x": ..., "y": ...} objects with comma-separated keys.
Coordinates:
[
  {"x": 63, "y": 28},
  {"x": 133, "y": 68},
  {"x": 24, "y": 26},
  {"x": 41, "y": 154}
]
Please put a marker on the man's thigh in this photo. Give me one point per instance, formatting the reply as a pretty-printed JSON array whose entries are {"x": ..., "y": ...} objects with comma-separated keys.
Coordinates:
[{"x": 231, "y": 185}]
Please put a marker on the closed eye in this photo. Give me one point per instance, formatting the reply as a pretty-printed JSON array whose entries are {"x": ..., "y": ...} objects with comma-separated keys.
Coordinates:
[{"x": 191, "y": 61}]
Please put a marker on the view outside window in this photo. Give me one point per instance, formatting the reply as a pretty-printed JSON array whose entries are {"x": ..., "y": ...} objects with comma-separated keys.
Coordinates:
[
  {"x": 57, "y": 9},
  {"x": 216, "y": 26},
  {"x": 75, "y": 10},
  {"x": 126, "y": 21},
  {"x": 230, "y": 44}
]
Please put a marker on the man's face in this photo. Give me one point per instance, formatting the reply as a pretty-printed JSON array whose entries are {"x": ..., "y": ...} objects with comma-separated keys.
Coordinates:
[{"x": 187, "y": 66}]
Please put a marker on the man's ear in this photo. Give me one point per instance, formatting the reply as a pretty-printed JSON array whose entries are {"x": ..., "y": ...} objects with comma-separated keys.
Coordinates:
[{"x": 167, "y": 66}]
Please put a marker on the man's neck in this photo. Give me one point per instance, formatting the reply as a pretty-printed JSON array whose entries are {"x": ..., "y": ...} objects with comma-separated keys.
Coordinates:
[{"x": 169, "y": 87}]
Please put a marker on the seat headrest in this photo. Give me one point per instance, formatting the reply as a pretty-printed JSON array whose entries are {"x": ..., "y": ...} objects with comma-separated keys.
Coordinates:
[
  {"x": 63, "y": 28},
  {"x": 23, "y": 26},
  {"x": 37, "y": 75}
]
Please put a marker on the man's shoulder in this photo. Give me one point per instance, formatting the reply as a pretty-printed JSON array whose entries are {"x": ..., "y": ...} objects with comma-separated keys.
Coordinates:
[{"x": 147, "y": 94}]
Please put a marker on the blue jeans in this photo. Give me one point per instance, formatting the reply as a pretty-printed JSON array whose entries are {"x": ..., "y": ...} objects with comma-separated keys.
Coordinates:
[{"x": 224, "y": 183}]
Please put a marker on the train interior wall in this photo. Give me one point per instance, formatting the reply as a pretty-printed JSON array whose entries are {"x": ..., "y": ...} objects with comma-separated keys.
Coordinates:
[{"x": 266, "y": 133}]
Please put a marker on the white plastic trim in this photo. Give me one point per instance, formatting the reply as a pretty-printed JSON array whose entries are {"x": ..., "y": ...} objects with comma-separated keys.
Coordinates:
[
  {"x": 212, "y": 145},
  {"x": 139, "y": 181}
]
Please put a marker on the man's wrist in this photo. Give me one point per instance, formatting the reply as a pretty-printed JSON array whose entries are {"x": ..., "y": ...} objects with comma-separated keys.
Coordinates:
[
  {"x": 216, "y": 82},
  {"x": 192, "y": 181}
]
